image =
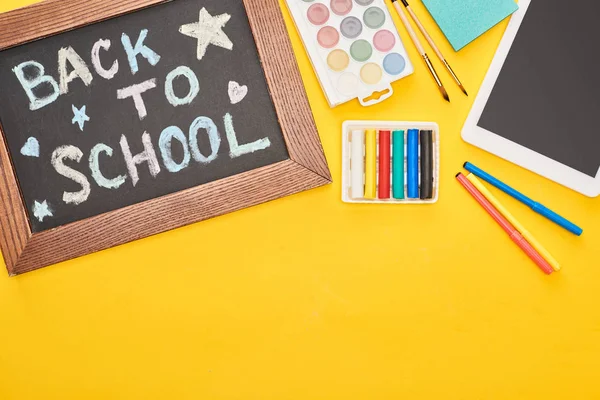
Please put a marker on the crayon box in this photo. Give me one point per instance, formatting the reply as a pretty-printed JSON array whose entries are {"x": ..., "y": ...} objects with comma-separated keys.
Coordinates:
[{"x": 390, "y": 162}]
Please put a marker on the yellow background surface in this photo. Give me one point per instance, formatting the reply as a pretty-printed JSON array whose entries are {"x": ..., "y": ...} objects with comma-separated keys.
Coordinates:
[{"x": 310, "y": 298}]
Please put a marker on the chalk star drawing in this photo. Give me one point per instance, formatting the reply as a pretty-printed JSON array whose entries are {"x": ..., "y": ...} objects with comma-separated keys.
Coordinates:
[
  {"x": 31, "y": 148},
  {"x": 80, "y": 117},
  {"x": 41, "y": 210},
  {"x": 208, "y": 30}
]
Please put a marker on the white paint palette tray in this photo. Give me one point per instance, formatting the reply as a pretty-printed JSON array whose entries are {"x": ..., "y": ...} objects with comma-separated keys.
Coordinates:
[{"x": 354, "y": 48}]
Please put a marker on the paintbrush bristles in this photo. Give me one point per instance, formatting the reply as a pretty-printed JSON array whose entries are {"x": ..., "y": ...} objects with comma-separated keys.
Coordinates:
[
  {"x": 419, "y": 47},
  {"x": 445, "y": 93},
  {"x": 436, "y": 50}
]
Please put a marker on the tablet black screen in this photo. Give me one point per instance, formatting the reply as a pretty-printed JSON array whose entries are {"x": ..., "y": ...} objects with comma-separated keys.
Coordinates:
[{"x": 547, "y": 97}]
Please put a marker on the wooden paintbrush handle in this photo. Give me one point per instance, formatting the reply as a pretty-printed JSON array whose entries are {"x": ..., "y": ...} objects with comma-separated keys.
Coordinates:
[
  {"x": 411, "y": 31},
  {"x": 425, "y": 34}
]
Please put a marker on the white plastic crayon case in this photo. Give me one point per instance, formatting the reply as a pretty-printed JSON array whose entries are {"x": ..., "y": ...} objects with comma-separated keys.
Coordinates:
[{"x": 347, "y": 161}]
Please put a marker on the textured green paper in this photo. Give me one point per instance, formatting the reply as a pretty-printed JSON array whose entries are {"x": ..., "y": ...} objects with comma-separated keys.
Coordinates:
[{"x": 463, "y": 21}]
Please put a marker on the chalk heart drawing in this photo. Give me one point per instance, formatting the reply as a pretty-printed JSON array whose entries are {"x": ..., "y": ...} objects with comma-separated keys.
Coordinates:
[
  {"x": 31, "y": 148},
  {"x": 237, "y": 93}
]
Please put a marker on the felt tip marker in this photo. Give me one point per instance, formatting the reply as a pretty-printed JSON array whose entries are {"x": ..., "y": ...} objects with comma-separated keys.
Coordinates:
[
  {"x": 514, "y": 221},
  {"x": 504, "y": 224},
  {"x": 535, "y": 206}
]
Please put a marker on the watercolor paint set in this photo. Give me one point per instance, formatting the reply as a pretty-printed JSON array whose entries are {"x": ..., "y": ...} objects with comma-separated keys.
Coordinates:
[
  {"x": 390, "y": 162},
  {"x": 354, "y": 48}
]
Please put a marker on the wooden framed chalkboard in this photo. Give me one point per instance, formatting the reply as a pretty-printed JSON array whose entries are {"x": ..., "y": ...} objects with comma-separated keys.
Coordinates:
[{"x": 121, "y": 119}]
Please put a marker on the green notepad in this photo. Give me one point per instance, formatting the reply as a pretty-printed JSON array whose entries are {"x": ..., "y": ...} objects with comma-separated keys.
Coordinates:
[{"x": 463, "y": 21}]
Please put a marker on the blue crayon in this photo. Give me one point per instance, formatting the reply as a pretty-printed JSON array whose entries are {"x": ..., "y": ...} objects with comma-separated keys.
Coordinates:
[
  {"x": 413, "y": 163},
  {"x": 535, "y": 206}
]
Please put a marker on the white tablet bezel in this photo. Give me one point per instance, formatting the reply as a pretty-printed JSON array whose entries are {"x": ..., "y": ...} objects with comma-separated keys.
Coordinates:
[{"x": 512, "y": 151}]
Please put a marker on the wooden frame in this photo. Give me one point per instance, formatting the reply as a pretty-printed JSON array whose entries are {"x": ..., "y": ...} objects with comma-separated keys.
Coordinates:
[{"x": 306, "y": 169}]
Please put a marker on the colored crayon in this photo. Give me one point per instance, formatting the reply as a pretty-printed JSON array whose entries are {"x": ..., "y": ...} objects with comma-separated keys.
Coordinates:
[
  {"x": 357, "y": 164},
  {"x": 385, "y": 164},
  {"x": 413, "y": 164},
  {"x": 504, "y": 224},
  {"x": 371, "y": 164},
  {"x": 515, "y": 222},
  {"x": 535, "y": 206},
  {"x": 426, "y": 165},
  {"x": 398, "y": 165}
]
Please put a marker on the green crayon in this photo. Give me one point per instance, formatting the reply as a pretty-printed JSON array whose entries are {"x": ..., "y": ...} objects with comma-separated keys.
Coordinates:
[{"x": 398, "y": 165}]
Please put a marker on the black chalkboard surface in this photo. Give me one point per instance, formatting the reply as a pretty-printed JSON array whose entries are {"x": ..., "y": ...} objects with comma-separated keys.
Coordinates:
[
  {"x": 136, "y": 107},
  {"x": 124, "y": 119}
]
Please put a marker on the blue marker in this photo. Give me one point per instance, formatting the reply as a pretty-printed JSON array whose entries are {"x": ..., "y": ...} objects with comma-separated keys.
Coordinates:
[
  {"x": 537, "y": 207},
  {"x": 413, "y": 164}
]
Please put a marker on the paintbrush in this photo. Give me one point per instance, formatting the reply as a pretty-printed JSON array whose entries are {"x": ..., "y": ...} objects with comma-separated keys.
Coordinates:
[
  {"x": 436, "y": 50},
  {"x": 420, "y": 49}
]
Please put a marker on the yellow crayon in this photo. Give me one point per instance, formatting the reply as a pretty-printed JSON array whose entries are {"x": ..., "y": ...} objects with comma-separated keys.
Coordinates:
[
  {"x": 502, "y": 210},
  {"x": 371, "y": 164}
]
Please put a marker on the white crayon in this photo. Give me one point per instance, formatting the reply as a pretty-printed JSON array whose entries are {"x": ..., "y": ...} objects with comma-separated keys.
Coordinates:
[{"x": 357, "y": 166}]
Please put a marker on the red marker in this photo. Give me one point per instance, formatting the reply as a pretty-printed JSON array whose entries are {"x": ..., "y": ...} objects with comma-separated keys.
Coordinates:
[
  {"x": 508, "y": 228},
  {"x": 385, "y": 163}
]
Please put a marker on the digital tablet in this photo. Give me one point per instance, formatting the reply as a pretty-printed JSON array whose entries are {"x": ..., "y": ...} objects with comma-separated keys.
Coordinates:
[{"x": 539, "y": 104}]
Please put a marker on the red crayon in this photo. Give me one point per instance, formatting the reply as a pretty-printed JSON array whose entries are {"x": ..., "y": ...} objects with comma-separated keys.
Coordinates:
[
  {"x": 508, "y": 228},
  {"x": 385, "y": 162}
]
